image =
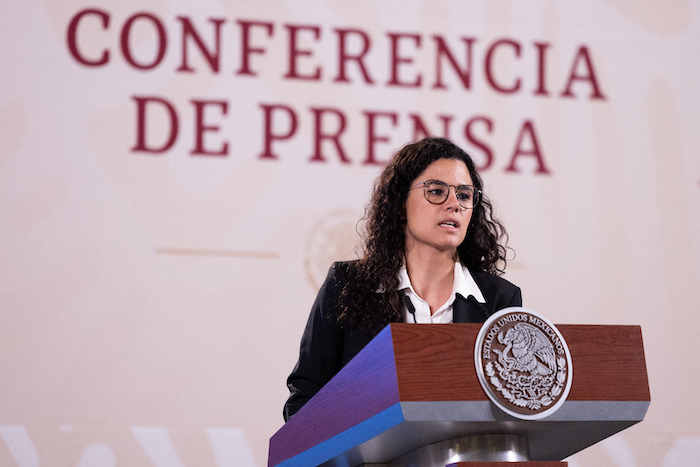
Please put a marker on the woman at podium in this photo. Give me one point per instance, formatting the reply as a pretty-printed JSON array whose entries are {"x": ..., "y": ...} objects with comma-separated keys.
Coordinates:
[{"x": 432, "y": 253}]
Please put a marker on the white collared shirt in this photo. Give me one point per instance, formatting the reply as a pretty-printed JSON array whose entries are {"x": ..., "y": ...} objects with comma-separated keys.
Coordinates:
[{"x": 462, "y": 284}]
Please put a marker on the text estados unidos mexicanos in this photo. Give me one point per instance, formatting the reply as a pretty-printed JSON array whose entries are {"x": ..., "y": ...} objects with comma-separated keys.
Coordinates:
[{"x": 521, "y": 317}]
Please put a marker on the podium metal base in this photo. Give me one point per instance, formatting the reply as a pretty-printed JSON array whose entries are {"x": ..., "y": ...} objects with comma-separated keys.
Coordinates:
[{"x": 476, "y": 448}]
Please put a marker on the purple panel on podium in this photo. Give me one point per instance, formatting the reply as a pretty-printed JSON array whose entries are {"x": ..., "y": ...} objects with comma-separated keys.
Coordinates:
[{"x": 334, "y": 422}]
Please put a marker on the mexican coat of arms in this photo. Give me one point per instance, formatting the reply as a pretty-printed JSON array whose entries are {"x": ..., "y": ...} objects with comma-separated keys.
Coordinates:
[{"x": 523, "y": 363}]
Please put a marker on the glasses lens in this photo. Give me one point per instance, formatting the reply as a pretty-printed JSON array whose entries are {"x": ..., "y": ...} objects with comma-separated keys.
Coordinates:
[
  {"x": 467, "y": 196},
  {"x": 436, "y": 192}
]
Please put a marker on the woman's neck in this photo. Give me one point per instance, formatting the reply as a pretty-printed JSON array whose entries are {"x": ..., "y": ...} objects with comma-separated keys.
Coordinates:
[{"x": 431, "y": 274}]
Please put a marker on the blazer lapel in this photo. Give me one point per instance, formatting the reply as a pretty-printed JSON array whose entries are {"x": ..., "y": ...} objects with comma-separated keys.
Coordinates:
[{"x": 468, "y": 310}]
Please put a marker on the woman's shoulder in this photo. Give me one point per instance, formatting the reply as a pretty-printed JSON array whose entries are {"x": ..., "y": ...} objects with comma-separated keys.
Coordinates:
[
  {"x": 344, "y": 266},
  {"x": 342, "y": 270},
  {"x": 491, "y": 283},
  {"x": 339, "y": 274}
]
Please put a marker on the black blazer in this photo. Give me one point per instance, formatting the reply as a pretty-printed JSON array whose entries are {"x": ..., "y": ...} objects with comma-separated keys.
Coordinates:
[{"x": 326, "y": 346}]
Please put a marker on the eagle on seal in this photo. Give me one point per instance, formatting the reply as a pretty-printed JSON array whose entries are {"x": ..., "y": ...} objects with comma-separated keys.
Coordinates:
[{"x": 532, "y": 351}]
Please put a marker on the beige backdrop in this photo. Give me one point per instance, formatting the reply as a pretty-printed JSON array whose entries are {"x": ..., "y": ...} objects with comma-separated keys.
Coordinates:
[{"x": 152, "y": 303}]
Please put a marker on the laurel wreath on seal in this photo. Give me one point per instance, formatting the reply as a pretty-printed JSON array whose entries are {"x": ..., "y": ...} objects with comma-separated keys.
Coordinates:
[{"x": 533, "y": 403}]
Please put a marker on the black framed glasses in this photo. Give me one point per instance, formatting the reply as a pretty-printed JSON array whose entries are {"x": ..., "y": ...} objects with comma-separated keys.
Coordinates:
[{"x": 437, "y": 192}]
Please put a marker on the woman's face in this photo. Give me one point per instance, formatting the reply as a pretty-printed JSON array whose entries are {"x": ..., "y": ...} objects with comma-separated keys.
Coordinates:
[{"x": 438, "y": 226}]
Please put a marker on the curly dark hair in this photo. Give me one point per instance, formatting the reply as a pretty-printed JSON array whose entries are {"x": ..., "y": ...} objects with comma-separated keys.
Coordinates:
[{"x": 484, "y": 247}]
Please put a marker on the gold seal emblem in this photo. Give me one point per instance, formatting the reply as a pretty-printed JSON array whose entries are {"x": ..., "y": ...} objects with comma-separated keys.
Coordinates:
[{"x": 523, "y": 363}]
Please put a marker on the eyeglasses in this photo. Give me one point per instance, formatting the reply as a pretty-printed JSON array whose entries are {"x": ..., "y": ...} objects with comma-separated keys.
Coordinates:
[{"x": 437, "y": 192}]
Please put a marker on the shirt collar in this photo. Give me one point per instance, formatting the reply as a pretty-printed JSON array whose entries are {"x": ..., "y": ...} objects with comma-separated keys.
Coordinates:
[{"x": 463, "y": 283}]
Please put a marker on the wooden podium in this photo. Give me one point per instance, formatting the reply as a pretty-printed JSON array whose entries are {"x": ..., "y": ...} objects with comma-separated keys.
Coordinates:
[{"x": 415, "y": 387}]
